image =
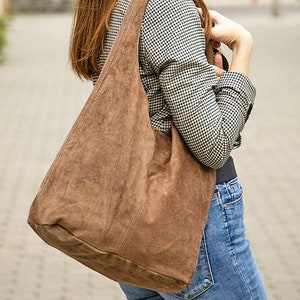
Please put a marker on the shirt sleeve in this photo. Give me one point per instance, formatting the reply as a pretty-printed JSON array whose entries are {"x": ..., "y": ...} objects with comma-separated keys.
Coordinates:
[{"x": 209, "y": 114}]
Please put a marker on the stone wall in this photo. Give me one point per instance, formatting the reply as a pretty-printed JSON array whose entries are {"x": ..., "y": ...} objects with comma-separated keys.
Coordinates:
[{"x": 41, "y": 5}]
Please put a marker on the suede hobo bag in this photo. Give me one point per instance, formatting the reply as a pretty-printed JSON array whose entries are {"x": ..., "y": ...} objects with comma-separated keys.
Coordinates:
[{"x": 127, "y": 201}]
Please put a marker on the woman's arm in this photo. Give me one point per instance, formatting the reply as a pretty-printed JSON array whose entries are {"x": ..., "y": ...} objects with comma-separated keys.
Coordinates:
[{"x": 209, "y": 114}]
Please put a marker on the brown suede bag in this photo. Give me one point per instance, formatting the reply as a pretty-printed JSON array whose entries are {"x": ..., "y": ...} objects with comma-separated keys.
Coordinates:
[{"x": 124, "y": 199}]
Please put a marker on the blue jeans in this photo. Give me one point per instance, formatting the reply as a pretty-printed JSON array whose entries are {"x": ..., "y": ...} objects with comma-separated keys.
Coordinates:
[{"x": 226, "y": 269}]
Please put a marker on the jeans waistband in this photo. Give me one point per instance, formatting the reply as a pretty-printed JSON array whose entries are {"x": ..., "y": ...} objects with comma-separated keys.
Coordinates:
[{"x": 227, "y": 172}]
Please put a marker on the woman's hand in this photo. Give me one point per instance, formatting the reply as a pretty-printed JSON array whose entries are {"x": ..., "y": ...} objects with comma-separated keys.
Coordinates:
[
  {"x": 218, "y": 64},
  {"x": 229, "y": 32},
  {"x": 236, "y": 37}
]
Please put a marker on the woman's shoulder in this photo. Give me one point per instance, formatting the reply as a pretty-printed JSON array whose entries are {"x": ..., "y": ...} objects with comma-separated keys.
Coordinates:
[
  {"x": 160, "y": 11},
  {"x": 183, "y": 8},
  {"x": 171, "y": 19}
]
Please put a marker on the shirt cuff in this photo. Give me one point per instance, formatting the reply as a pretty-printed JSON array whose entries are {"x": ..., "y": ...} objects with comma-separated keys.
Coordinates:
[{"x": 242, "y": 85}]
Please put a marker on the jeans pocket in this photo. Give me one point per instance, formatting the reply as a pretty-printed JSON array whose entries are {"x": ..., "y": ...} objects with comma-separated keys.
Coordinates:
[
  {"x": 235, "y": 191},
  {"x": 202, "y": 279},
  {"x": 233, "y": 206}
]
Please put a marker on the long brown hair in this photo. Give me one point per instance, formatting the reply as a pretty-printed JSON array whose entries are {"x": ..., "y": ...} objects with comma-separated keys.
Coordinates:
[{"x": 90, "y": 23}]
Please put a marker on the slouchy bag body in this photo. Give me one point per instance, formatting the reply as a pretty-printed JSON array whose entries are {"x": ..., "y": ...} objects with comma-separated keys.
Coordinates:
[{"x": 128, "y": 201}]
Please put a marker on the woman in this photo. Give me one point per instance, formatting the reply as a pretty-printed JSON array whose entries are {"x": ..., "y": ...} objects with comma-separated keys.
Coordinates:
[{"x": 209, "y": 107}]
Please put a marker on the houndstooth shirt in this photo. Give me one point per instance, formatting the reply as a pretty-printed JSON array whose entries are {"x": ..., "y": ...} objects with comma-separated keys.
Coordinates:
[{"x": 181, "y": 85}]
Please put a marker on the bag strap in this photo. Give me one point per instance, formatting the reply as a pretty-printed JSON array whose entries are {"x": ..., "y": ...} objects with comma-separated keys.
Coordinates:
[
  {"x": 128, "y": 35},
  {"x": 124, "y": 53}
]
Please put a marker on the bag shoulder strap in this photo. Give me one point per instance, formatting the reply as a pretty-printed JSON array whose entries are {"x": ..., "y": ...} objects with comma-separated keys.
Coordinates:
[
  {"x": 127, "y": 37},
  {"x": 122, "y": 59}
]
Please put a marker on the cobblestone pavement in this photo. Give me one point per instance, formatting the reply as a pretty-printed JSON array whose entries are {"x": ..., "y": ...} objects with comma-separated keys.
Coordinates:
[
  {"x": 39, "y": 100},
  {"x": 249, "y": 3}
]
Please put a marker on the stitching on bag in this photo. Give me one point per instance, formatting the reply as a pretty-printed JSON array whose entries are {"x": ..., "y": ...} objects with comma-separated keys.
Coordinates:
[
  {"x": 132, "y": 225},
  {"x": 106, "y": 252}
]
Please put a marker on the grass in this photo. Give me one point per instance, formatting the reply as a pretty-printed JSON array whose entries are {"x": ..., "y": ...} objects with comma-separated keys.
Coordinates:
[{"x": 3, "y": 26}]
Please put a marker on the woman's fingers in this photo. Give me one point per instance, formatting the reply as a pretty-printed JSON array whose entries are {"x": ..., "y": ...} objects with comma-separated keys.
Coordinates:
[
  {"x": 216, "y": 17},
  {"x": 227, "y": 31},
  {"x": 218, "y": 60},
  {"x": 216, "y": 44},
  {"x": 218, "y": 71}
]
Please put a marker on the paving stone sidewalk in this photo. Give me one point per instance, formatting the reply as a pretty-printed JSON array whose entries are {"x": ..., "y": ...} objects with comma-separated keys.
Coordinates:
[
  {"x": 250, "y": 3},
  {"x": 40, "y": 98}
]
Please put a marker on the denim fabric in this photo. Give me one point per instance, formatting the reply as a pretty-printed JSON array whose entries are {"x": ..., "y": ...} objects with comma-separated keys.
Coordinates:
[{"x": 226, "y": 269}]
